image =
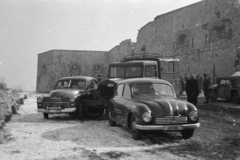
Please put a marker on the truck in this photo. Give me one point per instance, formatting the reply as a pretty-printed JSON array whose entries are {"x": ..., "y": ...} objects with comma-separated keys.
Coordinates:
[{"x": 147, "y": 65}]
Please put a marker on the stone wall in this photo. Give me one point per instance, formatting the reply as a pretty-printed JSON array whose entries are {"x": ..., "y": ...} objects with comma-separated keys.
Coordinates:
[
  {"x": 205, "y": 36},
  {"x": 118, "y": 52},
  {"x": 55, "y": 64}
]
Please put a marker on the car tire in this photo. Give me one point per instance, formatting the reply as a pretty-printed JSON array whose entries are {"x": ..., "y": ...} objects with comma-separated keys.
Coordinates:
[
  {"x": 80, "y": 112},
  {"x": 45, "y": 115},
  {"x": 136, "y": 134},
  {"x": 235, "y": 98},
  {"x": 110, "y": 121},
  {"x": 107, "y": 111},
  {"x": 186, "y": 134},
  {"x": 92, "y": 112}
]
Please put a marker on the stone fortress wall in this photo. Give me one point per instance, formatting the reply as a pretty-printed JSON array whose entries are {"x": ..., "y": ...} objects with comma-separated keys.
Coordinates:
[{"x": 205, "y": 36}]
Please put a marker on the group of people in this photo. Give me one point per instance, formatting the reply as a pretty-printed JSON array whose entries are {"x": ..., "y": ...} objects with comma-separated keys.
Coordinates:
[{"x": 194, "y": 86}]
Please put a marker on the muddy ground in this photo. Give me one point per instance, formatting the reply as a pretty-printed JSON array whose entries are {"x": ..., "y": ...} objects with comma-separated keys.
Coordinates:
[{"x": 29, "y": 136}]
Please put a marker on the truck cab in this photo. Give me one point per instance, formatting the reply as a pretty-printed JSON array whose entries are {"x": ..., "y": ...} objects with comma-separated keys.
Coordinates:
[{"x": 147, "y": 65}]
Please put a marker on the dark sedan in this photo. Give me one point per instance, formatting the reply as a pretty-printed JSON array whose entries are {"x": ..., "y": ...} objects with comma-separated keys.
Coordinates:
[
  {"x": 146, "y": 104},
  {"x": 65, "y": 97}
]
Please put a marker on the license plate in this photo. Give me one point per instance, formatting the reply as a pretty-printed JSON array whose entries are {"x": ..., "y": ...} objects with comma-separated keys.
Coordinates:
[
  {"x": 53, "y": 111},
  {"x": 172, "y": 128},
  {"x": 53, "y": 108}
]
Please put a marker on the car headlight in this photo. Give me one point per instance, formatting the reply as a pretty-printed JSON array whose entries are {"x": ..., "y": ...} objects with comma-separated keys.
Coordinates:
[
  {"x": 193, "y": 116},
  {"x": 72, "y": 99},
  {"x": 39, "y": 99},
  {"x": 147, "y": 117}
]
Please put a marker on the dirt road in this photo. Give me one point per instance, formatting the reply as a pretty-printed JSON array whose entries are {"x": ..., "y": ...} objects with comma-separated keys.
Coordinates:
[{"x": 29, "y": 136}]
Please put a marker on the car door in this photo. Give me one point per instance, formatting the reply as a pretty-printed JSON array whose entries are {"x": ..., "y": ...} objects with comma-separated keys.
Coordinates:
[
  {"x": 221, "y": 88},
  {"x": 117, "y": 103},
  {"x": 228, "y": 89},
  {"x": 125, "y": 105}
]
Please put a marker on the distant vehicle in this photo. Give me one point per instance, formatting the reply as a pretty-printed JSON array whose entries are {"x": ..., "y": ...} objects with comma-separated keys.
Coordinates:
[
  {"x": 72, "y": 95},
  {"x": 147, "y": 66},
  {"x": 147, "y": 104},
  {"x": 227, "y": 88}
]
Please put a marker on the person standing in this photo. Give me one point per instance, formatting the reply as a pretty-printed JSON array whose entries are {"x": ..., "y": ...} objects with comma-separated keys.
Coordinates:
[
  {"x": 199, "y": 81},
  {"x": 192, "y": 90},
  {"x": 181, "y": 85},
  {"x": 206, "y": 84}
]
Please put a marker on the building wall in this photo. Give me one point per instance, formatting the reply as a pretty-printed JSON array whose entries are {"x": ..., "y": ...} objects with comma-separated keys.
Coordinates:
[
  {"x": 205, "y": 36},
  {"x": 44, "y": 71},
  {"x": 118, "y": 52},
  {"x": 55, "y": 64}
]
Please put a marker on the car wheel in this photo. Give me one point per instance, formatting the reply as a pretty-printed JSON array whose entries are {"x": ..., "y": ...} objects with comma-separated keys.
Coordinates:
[
  {"x": 186, "y": 134},
  {"x": 92, "y": 112},
  {"x": 80, "y": 112},
  {"x": 136, "y": 134},
  {"x": 212, "y": 96},
  {"x": 110, "y": 121},
  {"x": 107, "y": 111},
  {"x": 235, "y": 98},
  {"x": 45, "y": 115}
]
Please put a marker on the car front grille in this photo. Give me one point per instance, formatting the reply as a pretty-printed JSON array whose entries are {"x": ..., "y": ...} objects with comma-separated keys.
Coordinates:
[
  {"x": 171, "y": 120},
  {"x": 55, "y": 100}
]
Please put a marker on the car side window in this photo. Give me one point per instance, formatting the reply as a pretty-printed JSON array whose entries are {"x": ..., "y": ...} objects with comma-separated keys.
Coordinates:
[
  {"x": 93, "y": 84},
  {"x": 119, "y": 90},
  {"x": 228, "y": 83},
  {"x": 127, "y": 91},
  {"x": 62, "y": 84},
  {"x": 223, "y": 82}
]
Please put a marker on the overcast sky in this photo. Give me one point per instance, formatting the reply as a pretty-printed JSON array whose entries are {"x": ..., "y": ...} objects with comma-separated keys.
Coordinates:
[{"x": 30, "y": 27}]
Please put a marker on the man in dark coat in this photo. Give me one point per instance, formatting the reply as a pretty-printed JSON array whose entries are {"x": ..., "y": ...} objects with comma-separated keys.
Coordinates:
[
  {"x": 206, "y": 84},
  {"x": 192, "y": 90}
]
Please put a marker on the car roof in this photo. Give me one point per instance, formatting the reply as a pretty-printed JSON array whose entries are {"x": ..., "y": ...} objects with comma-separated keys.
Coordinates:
[
  {"x": 229, "y": 77},
  {"x": 143, "y": 80},
  {"x": 77, "y": 77}
]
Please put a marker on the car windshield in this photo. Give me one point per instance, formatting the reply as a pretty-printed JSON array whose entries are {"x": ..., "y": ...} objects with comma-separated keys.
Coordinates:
[
  {"x": 157, "y": 89},
  {"x": 72, "y": 84}
]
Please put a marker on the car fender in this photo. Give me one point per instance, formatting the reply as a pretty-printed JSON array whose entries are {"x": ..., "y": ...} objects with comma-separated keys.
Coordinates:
[{"x": 137, "y": 110}]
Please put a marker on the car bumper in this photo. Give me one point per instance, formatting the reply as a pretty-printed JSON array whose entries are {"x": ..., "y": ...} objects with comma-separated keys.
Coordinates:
[
  {"x": 65, "y": 110},
  {"x": 163, "y": 127}
]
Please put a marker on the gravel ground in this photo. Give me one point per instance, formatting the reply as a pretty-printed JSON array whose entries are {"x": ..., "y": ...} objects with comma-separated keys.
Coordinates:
[{"x": 29, "y": 136}]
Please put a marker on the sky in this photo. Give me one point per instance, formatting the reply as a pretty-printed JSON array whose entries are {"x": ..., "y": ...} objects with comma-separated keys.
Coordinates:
[{"x": 30, "y": 27}]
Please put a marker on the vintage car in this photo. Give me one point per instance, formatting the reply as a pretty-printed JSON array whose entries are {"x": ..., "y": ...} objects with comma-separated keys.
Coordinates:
[
  {"x": 226, "y": 88},
  {"x": 71, "y": 95},
  {"x": 147, "y": 104}
]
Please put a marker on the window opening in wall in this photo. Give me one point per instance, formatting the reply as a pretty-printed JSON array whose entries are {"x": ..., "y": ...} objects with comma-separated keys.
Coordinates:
[
  {"x": 44, "y": 70},
  {"x": 143, "y": 48},
  {"x": 192, "y": 41},
  {"x": 183, "y": 39},
  {"x": 206, "y": 39}
]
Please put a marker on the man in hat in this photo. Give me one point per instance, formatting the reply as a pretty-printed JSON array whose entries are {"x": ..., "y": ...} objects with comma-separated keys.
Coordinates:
[{"x": 206, "y": 84}]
